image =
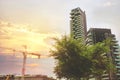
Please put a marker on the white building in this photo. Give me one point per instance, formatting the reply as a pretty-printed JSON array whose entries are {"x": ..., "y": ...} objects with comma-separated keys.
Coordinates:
[{"x": 78, "y": 24}]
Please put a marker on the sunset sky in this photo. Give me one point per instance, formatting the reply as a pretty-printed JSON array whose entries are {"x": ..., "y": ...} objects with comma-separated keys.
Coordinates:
[{"x": 34, "y": 22}]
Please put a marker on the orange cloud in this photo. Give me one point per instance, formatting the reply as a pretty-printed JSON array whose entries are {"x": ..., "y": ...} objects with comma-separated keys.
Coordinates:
[
  {"x": 32, "y": 65},
  {"x": 14, "y": 36}
]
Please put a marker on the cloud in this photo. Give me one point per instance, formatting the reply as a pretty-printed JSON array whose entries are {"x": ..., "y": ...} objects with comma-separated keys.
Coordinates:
[
  {"x": 9, "y": 64},
  {"x": 32, "y": 65},
  {"x": 14, "y": 36},
  {"x": 108, "y": 4}
]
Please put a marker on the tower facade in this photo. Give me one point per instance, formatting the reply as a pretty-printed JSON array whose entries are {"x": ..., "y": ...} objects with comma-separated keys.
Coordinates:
[
  {"x": 96, "y": 35},
  {"x": 78, "y": 24}
]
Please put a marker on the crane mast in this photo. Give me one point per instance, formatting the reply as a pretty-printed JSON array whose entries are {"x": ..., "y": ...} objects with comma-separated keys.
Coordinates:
[{"x": 24, "y": 63}]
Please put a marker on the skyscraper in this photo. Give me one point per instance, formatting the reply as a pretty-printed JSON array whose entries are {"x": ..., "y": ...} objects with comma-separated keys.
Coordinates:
[
  {"x": 78, "y": 24},
  {"x": 96, "y": 35},
  {"x": 78, "y": 30}
]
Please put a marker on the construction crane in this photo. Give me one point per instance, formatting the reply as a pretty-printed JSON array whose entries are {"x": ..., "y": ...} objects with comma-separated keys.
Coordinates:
[{"x": 25, "y": 53}]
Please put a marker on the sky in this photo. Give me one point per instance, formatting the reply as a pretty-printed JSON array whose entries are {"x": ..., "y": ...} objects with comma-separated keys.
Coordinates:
[{"x": 33, "y": 23}]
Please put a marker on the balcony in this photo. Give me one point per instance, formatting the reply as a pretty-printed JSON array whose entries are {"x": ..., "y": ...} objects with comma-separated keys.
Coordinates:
[
  {"x": 118, "y": 70},
  {"x": 117, "y": 66},
  {"x": 117, "y": 59},
  {"x": 118, "y": 74},
  {"x": 116, "y": 52}
]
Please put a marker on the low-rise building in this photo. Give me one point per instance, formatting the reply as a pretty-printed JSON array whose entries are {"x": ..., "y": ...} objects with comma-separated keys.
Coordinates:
[{"x": 26, "y": 77}]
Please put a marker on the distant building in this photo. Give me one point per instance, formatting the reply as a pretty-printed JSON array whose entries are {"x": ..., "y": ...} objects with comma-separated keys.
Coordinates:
[
  {"x": 78, "y": 24},
  {"x": 27, "y": 77},
  {"x": 96, "y": 35}
]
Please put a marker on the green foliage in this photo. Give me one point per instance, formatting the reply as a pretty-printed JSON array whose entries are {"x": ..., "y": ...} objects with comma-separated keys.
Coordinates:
[
  {"x": 99, "y": 58},
  {"x": 100, "y": 55},
  {"x": 71, "y": 61},
  {"x": 76, "y": 60}
]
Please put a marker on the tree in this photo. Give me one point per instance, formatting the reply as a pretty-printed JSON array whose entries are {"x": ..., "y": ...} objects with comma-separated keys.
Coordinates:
[
  {"x": 76, "y": 60},
  {"x": 72, "y": 63},
  {"x": 99, "y": 59}
]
